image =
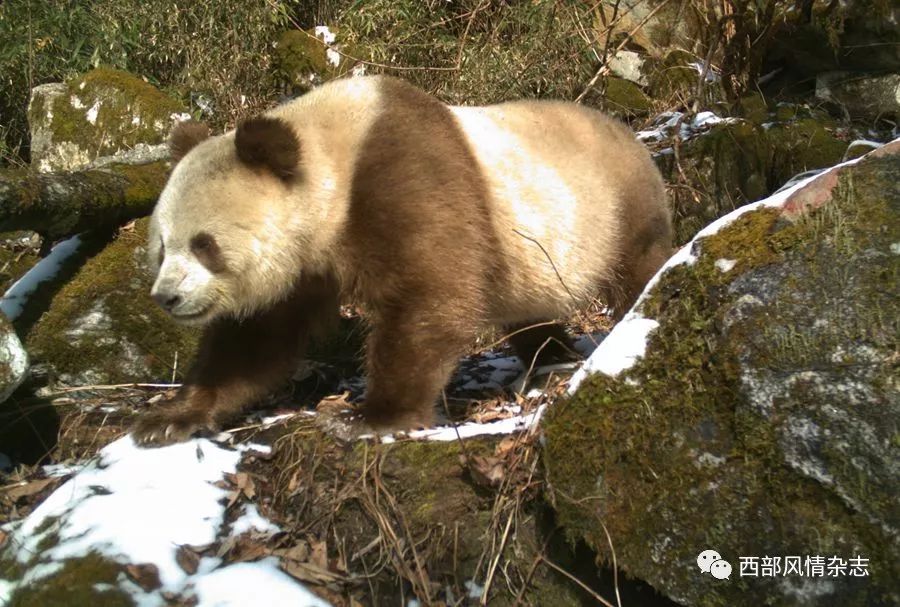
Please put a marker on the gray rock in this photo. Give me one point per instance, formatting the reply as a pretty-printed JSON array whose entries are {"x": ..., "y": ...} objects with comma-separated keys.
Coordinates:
[
  {"x": 762, "y": 420},
  {"x": 102, "y": 113},
  {"x": 862, "y": 95},
  {"x": 13, "y": 360}
]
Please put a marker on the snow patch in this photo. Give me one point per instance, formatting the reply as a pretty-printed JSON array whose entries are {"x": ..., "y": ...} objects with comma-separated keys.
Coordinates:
[
  {"x": 619, "y": 351},
  {"x": 91, "y": 114},
  {"x": 251, "y": 520},
  {"x": 13, "y": 302},
  {"x": 516, "y": 423},
  {"x": 725, "y": 265},
  {"x": 170, "y": 492},
  {"x": 259, "y": 583}
]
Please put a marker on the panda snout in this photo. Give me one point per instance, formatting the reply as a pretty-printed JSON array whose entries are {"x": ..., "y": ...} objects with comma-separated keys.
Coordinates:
[{"x": 168, "y": 301}]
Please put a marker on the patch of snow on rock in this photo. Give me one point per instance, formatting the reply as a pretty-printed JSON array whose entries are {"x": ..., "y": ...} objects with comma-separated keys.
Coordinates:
[
  {"x": 725, "y": 265},
  {"x": 619, "y": 351},
  {"x": 91, "y": 114},
  {"x": 13, "y": 302}
]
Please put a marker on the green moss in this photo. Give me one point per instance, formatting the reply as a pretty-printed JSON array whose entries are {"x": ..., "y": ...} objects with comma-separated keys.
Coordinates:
[
  {"x": 675, "y": 455},
  {"x": 14, "y": 261},
  {"x": 753, "y": 107},
  {"x": 625, "y": 97},
  {"x": 417, "y": 464},
  {"x": 803, "y": 144},
  {"x": 114, "y": 284},
  {"x": 125, "y": 111},
  {"x": 75, "y": 585}
]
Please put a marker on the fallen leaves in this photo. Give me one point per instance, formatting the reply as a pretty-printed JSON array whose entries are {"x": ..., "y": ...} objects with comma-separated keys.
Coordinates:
[
  {"x": 145, "y": 575},
  {"x": 187, "y": 559},
  {"x": 26, "y": 489}
]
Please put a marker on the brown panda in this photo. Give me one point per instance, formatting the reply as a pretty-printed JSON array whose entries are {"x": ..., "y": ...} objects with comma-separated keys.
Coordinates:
[{"x": 437, "y": 220}]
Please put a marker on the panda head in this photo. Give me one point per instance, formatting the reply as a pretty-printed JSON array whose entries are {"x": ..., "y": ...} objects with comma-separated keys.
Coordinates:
[{"x": 222, "y": 238}]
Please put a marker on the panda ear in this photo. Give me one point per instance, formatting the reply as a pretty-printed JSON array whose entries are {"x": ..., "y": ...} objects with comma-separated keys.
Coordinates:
[
  {"x": 185, "y": 136},
  {"x": 269, "y": 143}
]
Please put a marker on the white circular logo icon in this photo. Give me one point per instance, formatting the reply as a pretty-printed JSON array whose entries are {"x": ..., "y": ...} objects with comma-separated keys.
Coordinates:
[{"x": 710, "y": 561}]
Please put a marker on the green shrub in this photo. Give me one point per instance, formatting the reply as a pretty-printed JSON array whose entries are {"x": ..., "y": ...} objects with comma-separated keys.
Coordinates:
[{"x": 215, "y": 48}]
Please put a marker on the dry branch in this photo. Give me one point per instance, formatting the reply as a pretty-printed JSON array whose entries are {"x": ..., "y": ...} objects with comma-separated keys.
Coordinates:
[{"x": 61, "y": 204}]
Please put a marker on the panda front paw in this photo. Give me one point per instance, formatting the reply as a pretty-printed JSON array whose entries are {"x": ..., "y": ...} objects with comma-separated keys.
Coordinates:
[{"x": 171, "y": 425}]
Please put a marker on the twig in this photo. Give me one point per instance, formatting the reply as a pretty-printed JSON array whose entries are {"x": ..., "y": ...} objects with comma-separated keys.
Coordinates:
[
  {"x": 604, "y": 68},
  {"x": 584, "y": 586},
  {"x": 113, "y": 387},
  {"x": 615, "y": 564}
]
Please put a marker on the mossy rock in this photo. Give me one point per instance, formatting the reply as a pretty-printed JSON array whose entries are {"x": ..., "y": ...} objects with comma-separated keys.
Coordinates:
[
  {"x": 625, "y": 98},
  {"x": 740, "y": 161},
  {"x": 763, "y": 418},
  {"x": 102, "y": 327},
  {"x": 307, "y": 58},
  {"x": 80, "y": 582},
  {"x": 101, "y": 113},
  {"x": 18, "y": 254}
]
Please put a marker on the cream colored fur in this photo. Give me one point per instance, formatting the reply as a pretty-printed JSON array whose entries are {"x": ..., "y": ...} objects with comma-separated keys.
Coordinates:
[
  {"x": 556, "y": 173},
  {"x": 270, "y": 231}
]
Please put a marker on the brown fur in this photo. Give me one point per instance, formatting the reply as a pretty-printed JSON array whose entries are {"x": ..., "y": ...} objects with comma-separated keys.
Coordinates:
[
  {"x": 419, "y": 251},
  {"x": 206, "y": 249},
  {"x": 425, "y": 291},
  {"x": 185, "y": 136},
  {"x": 241, "y": 361},
  {"x": 268, "y": 143}
]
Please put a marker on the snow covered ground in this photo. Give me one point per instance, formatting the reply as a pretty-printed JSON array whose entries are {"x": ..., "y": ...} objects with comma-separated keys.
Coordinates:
[{"x": 138, "y": 506}]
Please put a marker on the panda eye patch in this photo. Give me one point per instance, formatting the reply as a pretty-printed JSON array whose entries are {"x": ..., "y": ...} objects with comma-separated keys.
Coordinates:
[{"x": 206, "y": 250}]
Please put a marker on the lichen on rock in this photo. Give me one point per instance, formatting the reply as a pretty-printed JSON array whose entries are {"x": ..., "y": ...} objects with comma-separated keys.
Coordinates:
[
  {"x": 102, "y": 113},
  {"x": 103, "y": 327},
  {"x": 762, "y": 419}
]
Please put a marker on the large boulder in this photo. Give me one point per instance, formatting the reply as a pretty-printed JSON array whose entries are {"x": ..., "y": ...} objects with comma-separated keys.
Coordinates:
[
  {"x": 749, "y": 405},
  {"x": 102, "y": 113}
]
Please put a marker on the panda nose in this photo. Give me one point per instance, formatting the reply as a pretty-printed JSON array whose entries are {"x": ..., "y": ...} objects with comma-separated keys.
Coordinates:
[{"x": 166, "y": 300}]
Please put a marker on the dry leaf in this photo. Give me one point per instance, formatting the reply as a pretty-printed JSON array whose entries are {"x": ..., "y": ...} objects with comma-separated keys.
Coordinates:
[
  {"x": 487, "y": 471},
  {"x": 297, "y": 552},
  {"x": 246, "y": 549},
  {"x": 506, "y": 445},
  {"x": 309, "y": 572},
  {"x": 226, "y": 546},
  {"x": 491, "y": 415},
  {"x": 145, "y": 575},
  {"x": 16, "y": 492},
  {"x": 245, "y": 485},
  {"x": 319, "y": 553},
  {"x": 187, "y": 559}
]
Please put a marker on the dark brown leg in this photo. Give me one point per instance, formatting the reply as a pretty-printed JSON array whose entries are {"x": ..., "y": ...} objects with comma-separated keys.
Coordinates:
[
  {"x": 411, "y": 352},
  {"x": 543, "y": 344},
  {"x": 240, "y": 362}
]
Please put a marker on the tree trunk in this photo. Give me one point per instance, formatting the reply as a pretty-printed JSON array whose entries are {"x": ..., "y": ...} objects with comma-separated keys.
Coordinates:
[{"x": 61, "y": 204}]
